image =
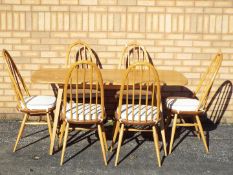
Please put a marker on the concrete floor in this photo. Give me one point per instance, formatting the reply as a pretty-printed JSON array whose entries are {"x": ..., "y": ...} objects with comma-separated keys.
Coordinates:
[{"x": 83, "y": 156}]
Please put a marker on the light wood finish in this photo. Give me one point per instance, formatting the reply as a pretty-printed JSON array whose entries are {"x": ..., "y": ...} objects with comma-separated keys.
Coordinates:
[
  {"x": 62, "y": 131},
  {"x": 104, "y": 138},
  {"x": 87, "y": 75},
  {"x": 102, "y": 142},
  {"x": 112, "y": 80},
  {"x": 20, "y": 131},
  {"x": 49, "y": 125},
  {"x": 156, "y": 142},
  {"x": 56, "y": 119},
  {"x": 132, "y": 53},
  {"x": 78, "y": 51},
  {"x": 202, "y": 133},
  {"x": 115, "y": 133},
  {"x": 133, "y": 80},
  {"x": 64, "y": 143},
  {"x": 173, "y": 133},
  {"x": 119, "y": 143},
  {"x": 202, "y": 92},
  {"x": 196, "y": 129},
  {"x": 162, "y": 127},
  {"x": 81, "y": 51},
  {"x": 110, "y": 77},
  {"x": 21, "y": 90}
]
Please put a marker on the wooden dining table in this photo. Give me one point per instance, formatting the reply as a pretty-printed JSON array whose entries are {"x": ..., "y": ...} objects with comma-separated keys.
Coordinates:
[{"x": 111, "y": 77}]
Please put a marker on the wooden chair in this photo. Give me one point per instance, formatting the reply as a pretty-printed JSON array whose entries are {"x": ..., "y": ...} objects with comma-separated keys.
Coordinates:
[
  {"x": 139, "y": 111},
  {"x": 181, "y": 107},
  {"x": 26, "y": 103},
  {"x": 78, "y": 51},
  {"x": 81, "y": 51},
  {"x": 80, "y": 112},
  {"x": 132, "y": 53}
]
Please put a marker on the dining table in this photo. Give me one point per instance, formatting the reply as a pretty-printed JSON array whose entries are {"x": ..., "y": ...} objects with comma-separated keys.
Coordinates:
[{"x": 111, "y": 78}]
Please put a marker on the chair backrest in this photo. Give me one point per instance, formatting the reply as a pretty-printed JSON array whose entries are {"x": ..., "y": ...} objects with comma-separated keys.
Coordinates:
[
  {"x": 78, "y": 51},
  {"x": 207, "y": 80},
  {"x": 17, "y": 81},
  {"x": 140, "y": 89},
  {"x": 83, "y": 80},
  {"x": 132, "y": 53}
]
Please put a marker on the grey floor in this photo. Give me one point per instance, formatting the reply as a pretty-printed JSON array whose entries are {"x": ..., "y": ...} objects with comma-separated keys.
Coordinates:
[{"x": 137, "y": 156}]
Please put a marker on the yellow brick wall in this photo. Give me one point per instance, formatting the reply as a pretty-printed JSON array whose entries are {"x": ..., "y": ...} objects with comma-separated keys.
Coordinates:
[{"x": 179, "y": 34}]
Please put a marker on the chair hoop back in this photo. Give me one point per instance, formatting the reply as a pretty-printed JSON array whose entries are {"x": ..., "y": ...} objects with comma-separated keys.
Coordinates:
[
  {"x": 83, "y": 87},
  {"x": 78, "y": 51},
  {"x": 132, "y": 53},
  {"x": 140, "y": 91},
  {"x": 17, "y": 81},
  {"x": 207, "y": 80}
]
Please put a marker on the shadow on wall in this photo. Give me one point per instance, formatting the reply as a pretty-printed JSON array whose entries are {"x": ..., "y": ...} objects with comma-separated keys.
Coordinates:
[{"x": 218, "y": 105}]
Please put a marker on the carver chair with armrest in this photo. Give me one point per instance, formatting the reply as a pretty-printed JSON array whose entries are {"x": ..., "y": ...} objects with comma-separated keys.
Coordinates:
[
  {"x": 82, "y": 113},
  {"x": 139, "y": 111},
  {"x": 181, "y": 107},
  {"x": 26, "y": 103}
]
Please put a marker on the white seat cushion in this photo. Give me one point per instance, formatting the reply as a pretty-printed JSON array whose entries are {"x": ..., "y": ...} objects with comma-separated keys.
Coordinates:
[
  {"x": 86, "y": 115},
  {"x": 182, "y": 104},
  {"x": 39, "y": 102},
  {"x": 136, "y": 112}
]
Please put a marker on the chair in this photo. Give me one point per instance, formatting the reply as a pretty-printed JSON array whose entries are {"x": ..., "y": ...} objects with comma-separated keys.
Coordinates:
[
  {"x": 139, "y": 111},
  {"x": 193, "y": 107},
  {"x": 81, "y": 51},
  {"x": 132, "y": 53},
  {"x": 78, "y": 51},
  {"x": 26, "y": 103},
  {"x": 85, "y": 112}
]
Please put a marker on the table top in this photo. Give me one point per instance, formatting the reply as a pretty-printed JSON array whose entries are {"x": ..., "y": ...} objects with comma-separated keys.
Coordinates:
[{"x": 110, "y": 76}]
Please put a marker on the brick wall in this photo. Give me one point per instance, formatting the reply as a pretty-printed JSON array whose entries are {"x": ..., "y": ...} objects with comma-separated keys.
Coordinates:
[{"x": 179, "y": 34}]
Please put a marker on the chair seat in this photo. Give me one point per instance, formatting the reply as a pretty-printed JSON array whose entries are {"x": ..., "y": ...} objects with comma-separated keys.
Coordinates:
[
  {"x": 39, "y": 102},
  {"x": 86, "y": 115},
  {"x": 182, "y": 104},
  {"x": 136, "y": 114}
]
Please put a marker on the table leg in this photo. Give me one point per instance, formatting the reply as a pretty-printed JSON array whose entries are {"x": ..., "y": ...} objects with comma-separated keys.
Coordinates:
[{"x": 56, "y": 118}]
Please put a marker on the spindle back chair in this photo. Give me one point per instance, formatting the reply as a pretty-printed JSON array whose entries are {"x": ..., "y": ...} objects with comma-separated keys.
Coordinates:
[
  {"x": 132, "y": 53},
  {"x": 29, "y": 105},
  {"x": 85, "y": 110},
  {"x": 180, "y": 107},
  {"x": 139, "y": 104}
]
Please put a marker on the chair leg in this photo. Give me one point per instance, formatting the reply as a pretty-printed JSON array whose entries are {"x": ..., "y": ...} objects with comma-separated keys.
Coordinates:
[
  {"x": 202, "y": 133},
  {"x": 196, "y": 129},
  {"x": 64, "y": 143},
  {"x": 49, "y": 125},
  {"x": 116, "y": 130},
  {"x": 20, "y": 131},
  {"x": 119, "y": 143},
  {"x": 62, "y": 130},
  {"x": 102, "y": 143},
  {"x": 104, "y": 137},
  {"x": 163, "y": 137},
  {"x": 156, "y": 143},
  {"x": 173, "y": 133}
]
